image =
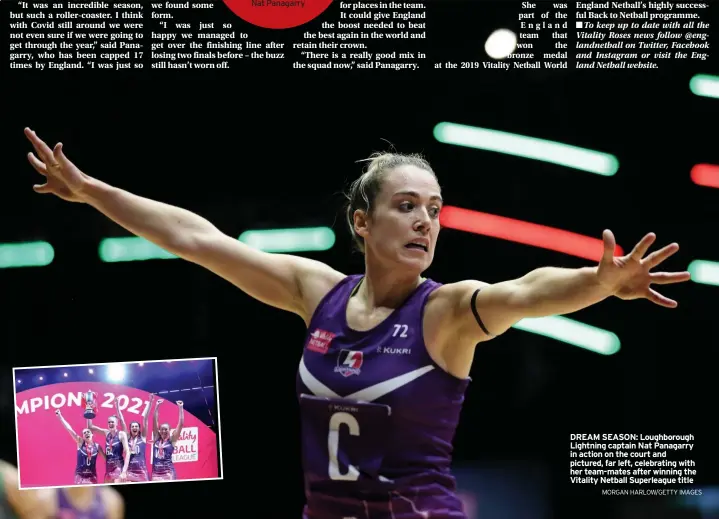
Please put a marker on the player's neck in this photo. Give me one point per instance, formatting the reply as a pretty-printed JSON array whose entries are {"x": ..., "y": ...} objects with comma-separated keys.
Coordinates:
[{"x": 387, "y": 288}]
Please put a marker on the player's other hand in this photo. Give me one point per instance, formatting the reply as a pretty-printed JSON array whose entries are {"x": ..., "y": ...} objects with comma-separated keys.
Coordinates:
[
  {"x": 179, "y": 403},
  {"x": 57, "y": 412},
  {"x": 62, "y": 177}
]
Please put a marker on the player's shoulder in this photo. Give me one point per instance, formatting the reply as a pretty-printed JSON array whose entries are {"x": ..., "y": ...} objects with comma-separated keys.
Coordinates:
[
  {"x": 315, "y": 281},
  {"x": 453, "y": 295},
  {"x": 310, "y": 272}
]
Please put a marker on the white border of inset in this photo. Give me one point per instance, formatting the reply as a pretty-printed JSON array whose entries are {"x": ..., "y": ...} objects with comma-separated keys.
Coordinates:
[{"x": 221, "y": 467}]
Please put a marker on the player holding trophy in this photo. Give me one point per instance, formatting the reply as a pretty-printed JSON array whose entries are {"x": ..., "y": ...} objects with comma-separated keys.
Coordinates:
[{"x": 117, "y": 451}]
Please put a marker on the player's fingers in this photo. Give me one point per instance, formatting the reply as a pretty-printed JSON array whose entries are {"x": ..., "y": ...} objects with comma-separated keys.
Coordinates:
[
  {"x": 656, "y": 257},
  {"x": 43, "y": 150},
  {"x": 37, "y": 164},
  {"x": 666, "y": 278},
  {"x": 656, "y": 298},
  {"x": 42, "y": 188},
  {"x": 641, "y": 248}
]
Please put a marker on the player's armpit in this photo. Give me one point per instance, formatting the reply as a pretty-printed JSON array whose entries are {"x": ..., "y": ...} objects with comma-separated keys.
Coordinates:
[{"x": 291, "y": 283}]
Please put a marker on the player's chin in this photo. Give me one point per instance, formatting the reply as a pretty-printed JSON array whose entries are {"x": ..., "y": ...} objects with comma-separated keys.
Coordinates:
[{"x": 418, "y": 261}]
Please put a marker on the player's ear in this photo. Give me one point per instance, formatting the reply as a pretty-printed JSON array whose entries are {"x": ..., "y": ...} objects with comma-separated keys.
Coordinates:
[{"x": 361, "y": 223}]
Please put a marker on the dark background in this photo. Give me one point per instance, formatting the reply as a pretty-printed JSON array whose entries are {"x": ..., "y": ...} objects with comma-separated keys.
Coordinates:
[{"x": 249, "y": 150}]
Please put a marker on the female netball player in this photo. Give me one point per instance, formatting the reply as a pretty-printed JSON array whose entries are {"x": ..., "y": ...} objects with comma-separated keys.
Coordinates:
[
  {"x": 163, "y": 469},
  {"x": 137, "y": 468},
  {"x": 88, "y": 502},
  {"x": 87, "y": 451},
  {"x": 387, "y": 341},
  {"x": 116, "y": 448}
]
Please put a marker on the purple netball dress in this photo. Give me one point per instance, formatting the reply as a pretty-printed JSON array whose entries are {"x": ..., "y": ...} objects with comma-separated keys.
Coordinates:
[
  {"x": 162, "y": 467},
  {"x": 66, "y": 510},
  {"x": 86, "y": 466},
  {"x": 114, "y": 462},
  {"x": 137, "y": 467},
  {"x": 378, "y": 416}
]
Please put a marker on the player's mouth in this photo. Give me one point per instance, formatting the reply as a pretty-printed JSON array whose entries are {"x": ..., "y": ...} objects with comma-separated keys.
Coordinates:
[{"x": 418, "y": 244}]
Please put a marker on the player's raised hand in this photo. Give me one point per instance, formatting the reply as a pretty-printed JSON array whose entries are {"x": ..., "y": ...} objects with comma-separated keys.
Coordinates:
[
  {"x": 159, "y": 401},
  {"x": 179, "y": 403},
  {"x": 62, "y": 177},
  {"x": 630, "y": 276},
  {"x": 57, "y": 412}
]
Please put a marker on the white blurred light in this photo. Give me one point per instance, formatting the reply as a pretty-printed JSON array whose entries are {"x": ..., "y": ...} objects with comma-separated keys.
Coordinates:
[
  {"x": 40, "y": 378},
  {"x": 64, "y": 374},
  {"x": 500, "y": 44},
  {"x": 142, "y": 363},
  {"x": 19, "y": 381},
  {"x": 116, "y": 372},
  {"x": 91, "y": 371}
]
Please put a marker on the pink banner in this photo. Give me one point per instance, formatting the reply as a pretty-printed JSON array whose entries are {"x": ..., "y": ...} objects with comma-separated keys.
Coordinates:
[{"x": 47, "y": 453}]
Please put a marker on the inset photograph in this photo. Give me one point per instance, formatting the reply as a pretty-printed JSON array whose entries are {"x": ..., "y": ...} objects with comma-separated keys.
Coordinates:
[{"x": 132, "y": 422}]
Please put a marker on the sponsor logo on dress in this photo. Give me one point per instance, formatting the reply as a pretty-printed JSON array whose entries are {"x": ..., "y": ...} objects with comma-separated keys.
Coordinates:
[
  {"x": 389, "y": 350},
  {"x": 320, "y": 341}
]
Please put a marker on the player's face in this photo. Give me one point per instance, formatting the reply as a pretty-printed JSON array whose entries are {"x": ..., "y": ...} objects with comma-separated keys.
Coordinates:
[
  {"x": 164, "y": 431},
  {"x": 135, "y": 429},
  {"x": 87, "y": 434},
  {"x": 406, "y": 211},
  {"x": 111, "y": 423}
]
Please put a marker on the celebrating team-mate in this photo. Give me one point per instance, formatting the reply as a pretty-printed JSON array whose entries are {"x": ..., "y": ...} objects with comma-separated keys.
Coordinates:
[
  {"x": 162, "y": 467},
  {"x": 87, "y": 451},
  {"x": 137, "y": 441},
  {"x": 115, "y": 446}
]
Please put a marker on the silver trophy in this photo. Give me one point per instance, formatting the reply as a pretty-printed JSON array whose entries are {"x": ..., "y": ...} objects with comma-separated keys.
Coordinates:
[{"x": 89, "y": 401}]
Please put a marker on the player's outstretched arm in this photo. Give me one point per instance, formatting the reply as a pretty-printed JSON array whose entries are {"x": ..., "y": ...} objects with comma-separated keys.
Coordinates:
[
  {"x": 555, "y": 291},
  {"x": 68, "y": 427},
  {"x": 288, "y": 282}
]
